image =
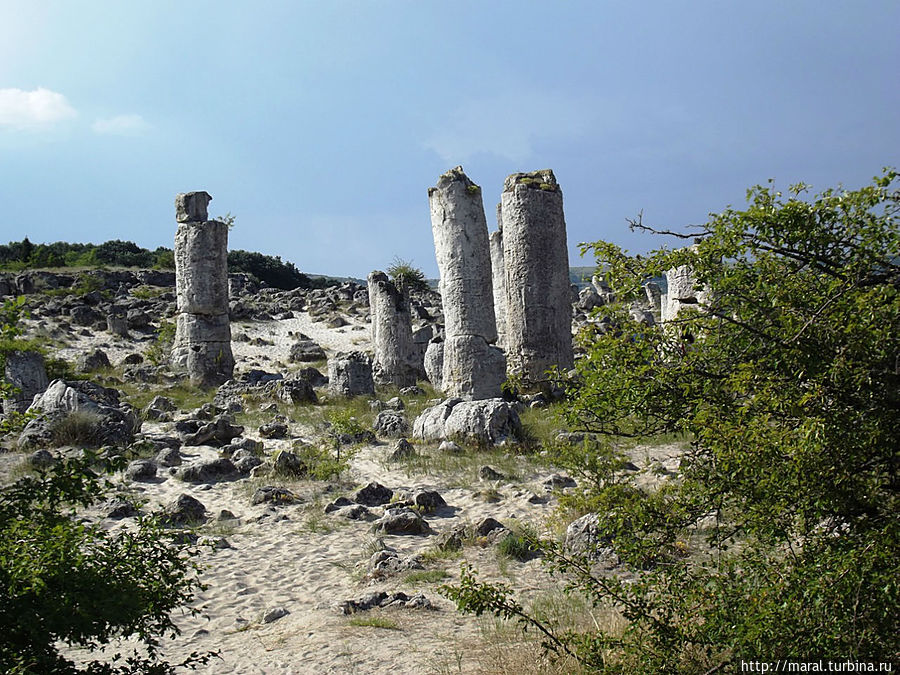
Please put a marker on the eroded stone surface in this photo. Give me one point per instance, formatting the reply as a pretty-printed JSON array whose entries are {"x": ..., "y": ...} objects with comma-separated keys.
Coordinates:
[
  {"x": 397, "y": 357},
  {"x": 536, "y": 260},
  {"x": 202, "y": 345},
  {"x": 488, "y": 421},
  {"x": 25, "y": 371},
  {"x": 470, "y": 368}
]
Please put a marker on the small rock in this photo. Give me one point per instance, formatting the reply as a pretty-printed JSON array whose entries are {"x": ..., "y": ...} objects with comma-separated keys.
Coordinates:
[
  {"x": 558, "y": 482},
  {"x": 487, "y": 526},
  {"x": 449, "y": 446},
  {"x": 289, "y": 464},
  {"x": 273, "y": 495},
  {"x": 169, "y": 457},
  {"x": 275, "y": 614},
  {"x": 429, "y": 500},
  {"x": 141, "y": 469},
  {"x": 401, "y": 450},
  {"x": 184, "y": 510},
  {"x": 373, "y": 494},
  {"x": 339, "y": 503},
  {"x": 402, "y": 521},
  {"x": 487, "y": 473}
]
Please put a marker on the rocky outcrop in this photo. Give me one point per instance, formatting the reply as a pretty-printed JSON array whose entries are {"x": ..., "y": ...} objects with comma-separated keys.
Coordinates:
[
  {"x": 202, "y": 345},
  {"x": 536, "y": 259},
  {"x": 397, "y": 358},
  {"x": 350, "y": 374},
  {"x": 26, "y": 373},
  {"x": 102, "y": 416},
  {"x": 485, "y": 422},
  {"x": 472, "y": 367}
]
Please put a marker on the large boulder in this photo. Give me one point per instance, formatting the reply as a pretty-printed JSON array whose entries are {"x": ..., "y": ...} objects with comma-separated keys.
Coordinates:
[
  {"x": 489, "y": 421},
  {"x": 112, "y": 421},
  {"x": 25, "y": 371},
  {"x": 350, "y": 374}
]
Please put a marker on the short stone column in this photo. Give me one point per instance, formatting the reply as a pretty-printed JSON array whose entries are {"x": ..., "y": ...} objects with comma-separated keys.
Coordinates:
[
  {"x": 350, "y": 374},
  {"x": 472, "y": 367},
  {"x": 202, "y": 345},
  {"x": 498, "y": 280},
  {"x": 536, "y": 259},
  {"x": 396, "y": 353},
  {"x": 26, "y": 372}
]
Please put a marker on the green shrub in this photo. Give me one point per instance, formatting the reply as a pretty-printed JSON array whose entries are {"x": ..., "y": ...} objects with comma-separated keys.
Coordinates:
[
  {"x": 406, "y": 277},
  {"x": 66, "y": 581},
  {"x": 786, "y": 383},
  {"x": 160, "y": 350}
]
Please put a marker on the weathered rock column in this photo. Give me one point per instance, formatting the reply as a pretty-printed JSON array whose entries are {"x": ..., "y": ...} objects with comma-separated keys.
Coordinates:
[
  {"x": 498, "y": 280},
  {"x": 26, "y": 372},
  {"x": 396, "y": 353},
  {"x": 472, "y": 368},
  {"x": 203, "y": 333},
  {"x": 536, "y": 258}
]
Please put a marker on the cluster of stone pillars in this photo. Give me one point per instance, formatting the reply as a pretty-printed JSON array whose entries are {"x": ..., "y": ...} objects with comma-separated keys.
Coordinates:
[
  {"x": 510, "y": 288},
  {"x": 202, "y": 345}
]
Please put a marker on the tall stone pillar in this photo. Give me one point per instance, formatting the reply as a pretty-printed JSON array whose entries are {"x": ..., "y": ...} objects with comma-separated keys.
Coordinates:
[
  {"x": 202, "y": 333},
  {"x": 536, "y": 259},
  {"x": 498, "y": 280},
  {"x": 396, "y": 355},
  {"x": 473, "y": 368}
]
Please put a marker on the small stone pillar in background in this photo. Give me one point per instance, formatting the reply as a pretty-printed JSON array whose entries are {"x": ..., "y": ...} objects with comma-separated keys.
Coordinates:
[
  {"x": 472, "y": 367},
  {"x": 202, "y": 345},
  {"x": 536, "y": 259},
  {"x": 350, "y": 374},
  {"x": 396, "y": 354},
  {"x": 498, "y": 279}
]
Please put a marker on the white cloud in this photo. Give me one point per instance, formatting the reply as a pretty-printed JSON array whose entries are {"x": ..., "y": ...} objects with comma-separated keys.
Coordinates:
[
  {"x": 508, "y": 125},
  {"x": 120, "y": 125},
  {"x": 29, "y": 109}
]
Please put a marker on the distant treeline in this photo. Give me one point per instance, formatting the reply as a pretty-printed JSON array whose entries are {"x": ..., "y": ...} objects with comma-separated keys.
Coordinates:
[{"x": 23, "y": 255}]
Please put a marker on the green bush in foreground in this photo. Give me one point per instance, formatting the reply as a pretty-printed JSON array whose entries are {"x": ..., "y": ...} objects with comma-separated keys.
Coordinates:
[
  {"x": 63, "y": 580},
  {"x": 787, "y": 381}
]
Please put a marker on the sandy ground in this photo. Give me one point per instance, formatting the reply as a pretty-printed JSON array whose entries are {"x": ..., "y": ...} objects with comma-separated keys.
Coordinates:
[{"x": 305, "y": 561}]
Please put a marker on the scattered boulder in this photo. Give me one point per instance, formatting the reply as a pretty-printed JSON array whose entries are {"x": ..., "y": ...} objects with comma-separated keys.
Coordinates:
[
  {"x": 558, "y": 482},
  {"x": 402, "y": 520},
  {"x": 306, "y": 351},
  {"x": 488, "y": 526},
  {"x": 220, "y": 431},
  {"x": 429, "y": 500},
  {"x": 206, "y": 471},
  {"x": 288, "y": 464},
  {"x": 277, "y": 428},
  {"x": 373, "y": 494},
  {"x": 141, "y": 469},
  {"x": 112, "y": 422},
  {"x": 391, "y": 423},
  {"x": 387, "y": 561},
  {"x": 401, "y": 450},
  {"x": 184, "y": 510},
  {"x": 489, "y": 421},
  {"x": 275, "y": 614},
  {"x": 350, "y": 374},
  {"x": 487, "y": 473},
  {"x": 269, "y": 494},
  {"x": 25, "y": 371},
  {"x": 169, "y": 457},
  {"x": 382, "y": 599}
]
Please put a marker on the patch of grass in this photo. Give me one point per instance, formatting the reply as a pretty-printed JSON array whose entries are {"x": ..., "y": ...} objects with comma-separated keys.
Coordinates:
[
  {"x": 373, "y": 622},
  {"x": 145, "y": 292},
  {"x": 79, "y": 428},
  {"x": 541, "y": 426},
  {"x": 425, "y": 577},
  {"x": 183, "y": 394},
  {"x": 517, "y": 546}
]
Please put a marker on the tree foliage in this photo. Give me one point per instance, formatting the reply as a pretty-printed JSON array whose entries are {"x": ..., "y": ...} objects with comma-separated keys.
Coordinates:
[
  {"x": 780, "y": 537},
  {"x": 66, "y": 580},
  {"x": 271, "y": 269}
]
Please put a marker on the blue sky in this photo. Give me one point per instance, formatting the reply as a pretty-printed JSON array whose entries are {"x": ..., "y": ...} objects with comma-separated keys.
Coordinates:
[{"x": 321, "y": 125}]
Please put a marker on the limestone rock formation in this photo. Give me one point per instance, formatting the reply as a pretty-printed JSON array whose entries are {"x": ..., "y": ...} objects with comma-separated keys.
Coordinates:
[
  {"x": 396, "y": 354},
  {"x": 682, "y": 292},
  {"x": 488, "y": 421},
  {"x": 434, "y": 362},
  {"x": 25, "y": 371},
  {"x": 498, "y": 280},
  {"x": 536, "y": 259},
  {"x": 463, "y": 256},
  {"x": 350, "y": 374},
  {"x": 203, "y": 331}
]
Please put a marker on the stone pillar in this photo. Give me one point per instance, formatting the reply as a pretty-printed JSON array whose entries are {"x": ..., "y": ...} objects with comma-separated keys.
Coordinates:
[
  {"x": 681, "y": 292},
  {"x": 350, "y": 374},
  {"x": 472, "y": 368},
  {"x": 536, "y": 258},
  {"x": 395, "y": 351},
  {"x": 202, "y": 345},
  {"x": 498, "y": 280}
]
